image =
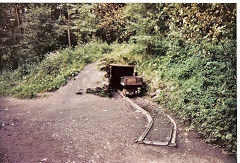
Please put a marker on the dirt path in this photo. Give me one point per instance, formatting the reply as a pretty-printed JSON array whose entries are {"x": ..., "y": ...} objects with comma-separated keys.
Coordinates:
[{"x": 65, "y": 127}]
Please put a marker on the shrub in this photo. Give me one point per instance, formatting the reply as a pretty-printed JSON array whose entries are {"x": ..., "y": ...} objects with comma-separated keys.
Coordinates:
[
  {"x": 51, "y": 73},
  {"x": 197, "y": 83}
]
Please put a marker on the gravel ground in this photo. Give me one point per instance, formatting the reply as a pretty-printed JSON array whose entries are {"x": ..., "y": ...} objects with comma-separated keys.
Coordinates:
[
  {"x": 65, "y": 127},
  {"x": 161, "y": 129}
]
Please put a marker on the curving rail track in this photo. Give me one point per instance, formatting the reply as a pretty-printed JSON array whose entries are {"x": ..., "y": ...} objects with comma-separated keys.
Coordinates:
[{"x": 160, "y": 129}]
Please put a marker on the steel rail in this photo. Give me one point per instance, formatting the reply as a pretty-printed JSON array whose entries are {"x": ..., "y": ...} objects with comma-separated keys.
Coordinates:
[
  {"x": 149, "y": 117},
  {"x": 171, "y": 142},
  {"x": 173, "y": 134}
]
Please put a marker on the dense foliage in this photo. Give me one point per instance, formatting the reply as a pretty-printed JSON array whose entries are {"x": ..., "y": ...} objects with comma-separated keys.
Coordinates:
[
  {"x": 42, "y": 33},
  {"x": 199, "y": 89},
  {"x": 9, "y": 37},
  {"x": 191, "y": 50},
  {"x": 53, "y": 72},
  {"x": 185, "y": 51}
]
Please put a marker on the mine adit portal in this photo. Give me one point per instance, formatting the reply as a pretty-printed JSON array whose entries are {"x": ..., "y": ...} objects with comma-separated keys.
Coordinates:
[{"x": 117, "y": 71}]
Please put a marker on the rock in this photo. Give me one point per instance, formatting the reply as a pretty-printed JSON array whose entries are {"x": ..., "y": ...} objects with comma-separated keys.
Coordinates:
[
  {"x": 104, "y": 68},
  {"x": 103, "y": 59},
  {"x": 106, "y": 75},
  {"x": 106, "y": 88},
  {"x": 89, "y": 90},
  {"x": 153, "y": 94},
  {"x": 187, "y": 141},
  {"x": 44, "y": 159},
  {"x": 75, "y": 78},
  {"x": 155, "y": 98},
  {"x": 98, "y": 89},
  {"x": 79, "y": 92}
]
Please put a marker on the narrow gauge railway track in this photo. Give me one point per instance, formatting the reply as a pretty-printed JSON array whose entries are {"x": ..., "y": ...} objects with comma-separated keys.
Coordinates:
[{"x": 160, "y": 129}]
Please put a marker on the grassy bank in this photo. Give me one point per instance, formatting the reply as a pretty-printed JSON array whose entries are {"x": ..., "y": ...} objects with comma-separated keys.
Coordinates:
[
  {"x": 195, "y": 82},
  {"x": 53, "y": 72}
]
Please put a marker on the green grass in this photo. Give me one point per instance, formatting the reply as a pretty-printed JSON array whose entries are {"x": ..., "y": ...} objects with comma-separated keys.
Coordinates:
[
  {"x": 52, "y": 73},
  {"x": 197, "y": 83}
]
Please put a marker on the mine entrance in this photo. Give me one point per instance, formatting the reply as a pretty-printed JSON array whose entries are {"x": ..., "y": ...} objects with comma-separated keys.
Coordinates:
[{"x": 117, "y": 71}]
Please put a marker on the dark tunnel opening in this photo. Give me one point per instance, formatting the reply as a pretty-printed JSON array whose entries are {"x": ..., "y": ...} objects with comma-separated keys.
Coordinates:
[{"x": 116, "y": 72}]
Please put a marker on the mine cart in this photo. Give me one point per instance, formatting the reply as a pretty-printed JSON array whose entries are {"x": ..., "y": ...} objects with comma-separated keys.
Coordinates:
[
  {"x": 132, "y": 85},
  {"x": 123, "y": 77}
]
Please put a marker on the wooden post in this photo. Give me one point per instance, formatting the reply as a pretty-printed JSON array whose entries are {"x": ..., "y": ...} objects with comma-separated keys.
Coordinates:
[
  {"x": 17, "y": 15},
  {"x": 69, "y": 33}
]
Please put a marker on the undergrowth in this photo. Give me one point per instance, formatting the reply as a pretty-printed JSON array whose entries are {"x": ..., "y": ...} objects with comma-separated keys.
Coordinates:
[
  {"x": 53, "y": 72},
  {"x": 195, "y": 82}
]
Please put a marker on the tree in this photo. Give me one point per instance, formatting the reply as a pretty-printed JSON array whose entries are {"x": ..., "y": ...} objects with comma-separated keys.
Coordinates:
[
  {"x": 9, "y": 37},
  {"x": 147, "y": 19},
  {"x": 196, "y": 21},
  {"x": 190, "y": 22},
  {"x": 42, "y": 32},
  {"x": 112, "y": 22},
  {"x": 84, "y": 22}
]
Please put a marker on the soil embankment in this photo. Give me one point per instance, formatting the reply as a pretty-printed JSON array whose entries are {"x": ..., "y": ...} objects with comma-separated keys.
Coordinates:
[{"x": 66, "y": 127}]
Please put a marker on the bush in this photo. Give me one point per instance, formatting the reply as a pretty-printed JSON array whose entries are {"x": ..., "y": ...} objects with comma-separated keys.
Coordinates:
[
  {"x": 197, "y": 83},
  {"x": 51, "y": 73}
]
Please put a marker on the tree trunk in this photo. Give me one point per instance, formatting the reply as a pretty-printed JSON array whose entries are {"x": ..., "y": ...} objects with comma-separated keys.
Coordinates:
[
  {"x": 17, "y": 15},
  {"x": 22, "y": 8},
  {"x": 69, "y": 33}
]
